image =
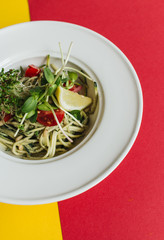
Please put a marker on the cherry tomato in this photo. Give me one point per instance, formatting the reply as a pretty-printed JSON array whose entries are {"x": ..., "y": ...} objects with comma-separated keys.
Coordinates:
[
  {"x": 46, "y": 118},
  {"x": 32, "y": 71},
  {"x": 7, "y": 117},
  {"x": 76, "y": 88}
]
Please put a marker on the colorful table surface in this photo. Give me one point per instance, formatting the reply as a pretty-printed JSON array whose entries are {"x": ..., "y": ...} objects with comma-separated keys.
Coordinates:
[{"x": 129, "y": 204}]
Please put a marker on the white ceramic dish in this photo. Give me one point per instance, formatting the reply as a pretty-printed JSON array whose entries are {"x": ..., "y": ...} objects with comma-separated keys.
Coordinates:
[{"x": 115, "y": 128}]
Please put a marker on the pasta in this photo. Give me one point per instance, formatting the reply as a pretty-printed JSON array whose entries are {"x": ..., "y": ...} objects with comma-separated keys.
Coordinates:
[{"x": 33, "y": 122}]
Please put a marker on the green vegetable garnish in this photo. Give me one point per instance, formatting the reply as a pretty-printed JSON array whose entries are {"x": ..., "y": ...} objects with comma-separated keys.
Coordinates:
[
  {"x": 30, "y": 114},
  {"x": 36, "y": 92},
  {"x": 49, "y": 76},
  {"x": 76, "y": 114},
  {"x": 34, "y": 117},
  {"x": 21, "y": 127},
  {"x": 52, "y": 89},
  {"x": 73, "y": 76},
  {"x": 64, "y": 80},
  {"x": 37, "y": 133},
  {"x": 10, "y": 89},
  {"x": 29, "y": 105}
]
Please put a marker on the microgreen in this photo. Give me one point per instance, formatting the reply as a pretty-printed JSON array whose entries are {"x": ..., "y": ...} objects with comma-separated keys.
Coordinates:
[
  {"x": 30, "y": 114},
  {"x": 36, "y": 92},
  {"x": 37, "y": 133},
  {"x": 43, "y": 107},
  {"x": 34, "y": 117},
  {"x": 73, "y": 76},
  {"x": 9, "y": 97},
  {"x": 64, "y": 80},
  {"x": 21, "y": 127},
  {"x": 48, "y": 61},
  {"x": 29, "y": 105},
  {"x": 76, "y": 114},
  {"x": 49, "y": 76},
  {"x": 52, "y": 89},
  {"x": 22, "y": 72}
]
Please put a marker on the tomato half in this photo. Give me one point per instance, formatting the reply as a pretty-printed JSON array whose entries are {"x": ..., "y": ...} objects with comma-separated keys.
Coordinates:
[
  {"x": 46, "y": 118},
  {"x": 32, "y": 71},
  {"x": 7, "y": 117},
  {"x": 76, "y": 88}
]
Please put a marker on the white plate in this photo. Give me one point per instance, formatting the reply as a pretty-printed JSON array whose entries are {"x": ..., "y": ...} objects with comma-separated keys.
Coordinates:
[{"x": 116, "y": 127}]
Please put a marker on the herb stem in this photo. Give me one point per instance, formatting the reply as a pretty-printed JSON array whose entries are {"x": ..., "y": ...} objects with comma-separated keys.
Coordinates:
[
  {"x": 69, "y": 114},
  {"x": 20, "y": 124},
  {"x": 69, "y": 139},
  {"x": 61, "y": 52},
  {"x": 83, "y": 74},
  {"x": 48, "y": 61},
  {"x": 44, "y": 94}
]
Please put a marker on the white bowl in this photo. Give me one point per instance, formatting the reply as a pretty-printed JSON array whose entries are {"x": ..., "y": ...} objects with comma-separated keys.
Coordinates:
[{"x": 113, "y": 129}]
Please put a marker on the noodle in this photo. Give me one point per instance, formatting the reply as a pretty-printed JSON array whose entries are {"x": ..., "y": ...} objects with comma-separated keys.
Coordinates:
[
  {"x": 49, "y": 141},
  {"x": 25, "y": 100}
]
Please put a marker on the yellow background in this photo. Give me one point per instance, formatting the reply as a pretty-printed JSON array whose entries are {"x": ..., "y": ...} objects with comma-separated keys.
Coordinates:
[
  {"x": 13, "y": 11},
  {"x": 40, "y": 222},
  {"x": 17, "y": 222}
]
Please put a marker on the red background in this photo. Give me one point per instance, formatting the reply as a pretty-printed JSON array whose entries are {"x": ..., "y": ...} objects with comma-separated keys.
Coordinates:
[{"x": 129, "y": 204}]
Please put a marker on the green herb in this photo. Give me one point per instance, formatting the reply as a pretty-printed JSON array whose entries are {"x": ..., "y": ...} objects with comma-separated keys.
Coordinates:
[
  {"x": 44, "y": 107},
  {"x": 22, "y": 72},
  {"x": 48, "y": 61},
  {"x": 58, "y": 81},
  {"x": 30, "y": 114},
  {"x": 43, "y": 81},
  {"x": 9, "y": 90},
  {"x": 21, "y": 127},
  {"x": 34, "y": 117},
  {"x": 29, "y": 105},
  {"x": 52, "y": 89},
  {"x": 43, "y": 65},
  {"x": 73, "y": 76},
  {"x": 64, "y": 80},
  {"x": 36, "y": 92},
  {"x": 49, "y": 76},
  {"x": 76, "y": 114},
  {"x": 37, "y": 133}
]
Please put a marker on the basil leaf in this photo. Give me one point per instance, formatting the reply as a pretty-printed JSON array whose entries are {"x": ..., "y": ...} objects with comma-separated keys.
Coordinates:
[
  {"x": 29, "y": 105},
  {"x": 34, "y": 117},
  {"x": 48, "y": 75},
  {"x": 76, "y": 114},
  {"x": 73, "y": 76}
]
